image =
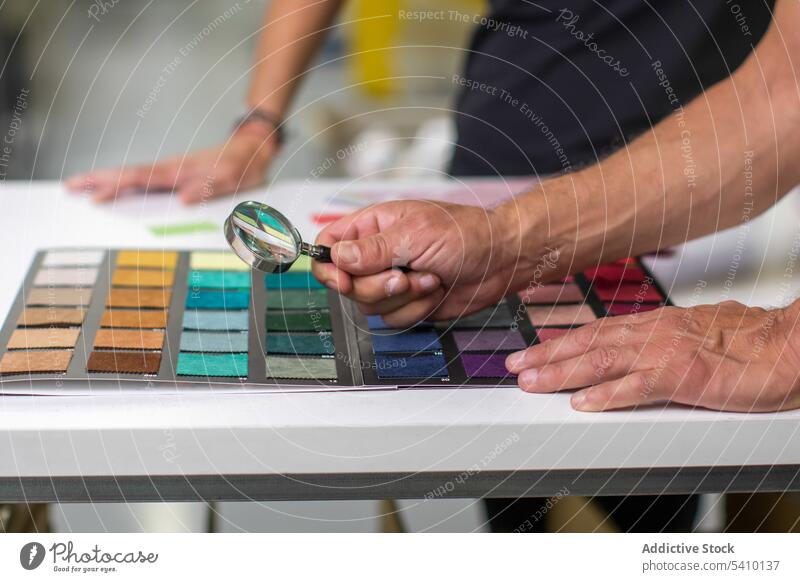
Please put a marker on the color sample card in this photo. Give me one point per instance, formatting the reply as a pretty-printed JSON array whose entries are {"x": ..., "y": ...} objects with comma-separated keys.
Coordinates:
[{"x": 204, "y": 317}]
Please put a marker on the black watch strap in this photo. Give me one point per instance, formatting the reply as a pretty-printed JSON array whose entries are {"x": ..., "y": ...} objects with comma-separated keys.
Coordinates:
[{"x": 261, "y": 116}]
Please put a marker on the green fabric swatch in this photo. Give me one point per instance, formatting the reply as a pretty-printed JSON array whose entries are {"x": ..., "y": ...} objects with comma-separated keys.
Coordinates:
[
  {"x": 288, "y": 321},
  {"x": 184, "y": 228},
  {"x": 300, "y": 344},
  {"x": 229, "y": 365},
  {"x": 218, "y": 280},
  {"x": 297, "y": 299},
  {"x": 301, "y": 368},
  {"x": 292, "y": 280}
]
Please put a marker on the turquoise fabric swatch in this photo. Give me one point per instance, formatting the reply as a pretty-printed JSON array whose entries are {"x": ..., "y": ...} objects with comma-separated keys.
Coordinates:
[
  {"x": 227, "y": 365},
  {"x": 218, "y": 280},
  {"x": 213, "y": 341},
  {"x": 290, "y": 280},
  {"x": 297, "y": 299},
  {"x": 300, "y": 344},
  {"x": 217, "y": 299},
  {"x": 216, "y": 320}
]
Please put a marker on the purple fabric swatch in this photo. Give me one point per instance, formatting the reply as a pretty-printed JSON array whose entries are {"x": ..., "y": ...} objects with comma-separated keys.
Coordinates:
[
  {"x": 488, "y": 340},
  {"x": 485, "y": 365}
]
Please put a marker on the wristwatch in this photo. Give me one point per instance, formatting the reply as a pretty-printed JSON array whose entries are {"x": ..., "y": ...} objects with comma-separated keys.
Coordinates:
[{"x": 264, "y": 117}]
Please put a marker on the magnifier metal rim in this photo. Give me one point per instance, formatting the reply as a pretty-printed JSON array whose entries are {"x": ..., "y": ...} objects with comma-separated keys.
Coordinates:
[{"x": 247, "y": 254}]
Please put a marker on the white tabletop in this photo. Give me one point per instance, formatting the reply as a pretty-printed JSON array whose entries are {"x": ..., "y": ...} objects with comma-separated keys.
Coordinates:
[{"x": 406, "y": 431}]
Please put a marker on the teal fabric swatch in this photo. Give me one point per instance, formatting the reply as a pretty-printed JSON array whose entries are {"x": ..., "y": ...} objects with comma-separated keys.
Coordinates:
[
  {"x": 213, "y": 341},
  {"x": 217, "y": 299},
  {"x": 218, "y": 280},
  {"x": 216, "y": 320},
  {"x": 291, "y": 367},
  {"x": 227, "y": 365},
  {"x": 297, "y": 299},
  {"x": 288, "y": 321},
  {"x": 301, "y": 344},
  {"x": 290, "y": 280}
]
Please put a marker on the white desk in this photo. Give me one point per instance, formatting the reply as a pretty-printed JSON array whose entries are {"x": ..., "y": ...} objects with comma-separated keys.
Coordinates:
[{"x": 353, "y": 445}]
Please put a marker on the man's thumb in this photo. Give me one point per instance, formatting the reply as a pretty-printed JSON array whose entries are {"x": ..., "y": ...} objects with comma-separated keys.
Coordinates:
[{"x": 365, "y": 256}]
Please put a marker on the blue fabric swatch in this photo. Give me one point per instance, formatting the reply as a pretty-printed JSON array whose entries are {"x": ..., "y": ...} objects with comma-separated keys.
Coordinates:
[
  {"x": 316, "y": 344},
  {"x": 227, "y": 365},
  {"x": 376, "y": 322},
  {"x": 410, "y": 366},
  {"x": 218, "y": 280},
  {"x": 218, "y": 299},
  {"x": 299, "y": 280},
  {"x": 216, "y": 320},
  {"x": 213, "y": 341},
  {"x": 407, "y": 341}
]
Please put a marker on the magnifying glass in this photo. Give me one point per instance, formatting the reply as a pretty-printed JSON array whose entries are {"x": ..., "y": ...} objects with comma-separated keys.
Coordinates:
[{"x": 266, "y": 240}]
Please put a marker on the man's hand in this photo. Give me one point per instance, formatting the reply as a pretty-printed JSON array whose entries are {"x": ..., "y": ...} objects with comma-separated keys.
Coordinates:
[
  {"x": 724, "y": 357},
  {"x": 461, "y": 258},
  {"x": 239, "y": 164}
]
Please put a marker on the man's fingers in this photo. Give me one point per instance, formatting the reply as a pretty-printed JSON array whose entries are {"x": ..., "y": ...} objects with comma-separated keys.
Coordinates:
[
  {"x": 365, "y": 256},
  {"x": 415, "y": 311},
  {"x": 571, "y": 344},
  {"x": 595, "y": 367},
  {"x": 397, "y": 290},
  {"x": 632, "y": 390},
  {"x": 105, "y": 185}
]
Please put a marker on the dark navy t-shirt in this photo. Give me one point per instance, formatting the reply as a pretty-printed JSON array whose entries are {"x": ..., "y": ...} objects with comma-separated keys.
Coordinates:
[{"x": 550, "y": 87}]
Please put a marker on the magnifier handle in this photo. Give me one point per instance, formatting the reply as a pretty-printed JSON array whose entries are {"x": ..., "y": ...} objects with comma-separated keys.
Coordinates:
[{"x": 322, "y": 254}]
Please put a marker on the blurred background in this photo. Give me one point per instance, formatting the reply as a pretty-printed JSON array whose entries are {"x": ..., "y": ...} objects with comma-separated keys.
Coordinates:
[{"x": 90, "y": 84}]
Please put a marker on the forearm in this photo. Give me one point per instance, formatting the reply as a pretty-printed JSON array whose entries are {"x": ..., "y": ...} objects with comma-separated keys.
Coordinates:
[
  {"x": 292, "y": 33},
  {"x": 725, "y": 157}
]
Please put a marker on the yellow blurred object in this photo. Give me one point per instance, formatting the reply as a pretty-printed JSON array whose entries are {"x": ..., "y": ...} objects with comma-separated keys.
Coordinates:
[{"x": 377, "y": 32}]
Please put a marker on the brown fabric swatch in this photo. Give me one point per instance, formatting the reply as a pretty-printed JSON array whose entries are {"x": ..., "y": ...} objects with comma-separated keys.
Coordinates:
[
  {"x": 124, "y": 362},
  {"x": 53, "y": 337},
  {"x": 139, "y": 298},
  {"x": 31, "y": 362},
  {"x": 142, "y": 278},
  {"x": 129, "y": 339},
  {"x": 143, "y": 319},
  {"x": 59, "y": 297},
  {"x": 50, "y": 317}
]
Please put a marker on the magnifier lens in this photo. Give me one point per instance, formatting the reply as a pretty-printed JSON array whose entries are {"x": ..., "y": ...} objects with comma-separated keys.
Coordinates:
[{"x": 267, "y": 234}]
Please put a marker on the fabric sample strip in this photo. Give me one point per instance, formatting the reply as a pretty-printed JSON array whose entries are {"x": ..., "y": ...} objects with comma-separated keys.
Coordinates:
[
  {"x": 135, "y": 318},
  {"x": 156, "y": 298},
  {"x": 76, "y": 258},
  {"x": 615, "y": 273},
  {"x": 485, "y": 365},
  {"x": 26, "y": 338},
  {"x": 634, "y": 292},
  {"x": 216, "y": 261},
  {"x": 548, "y": 333},
  {"x": 218, "y": 280},
  {"x": 129, "y": 339},
  {"x": 216, "y": 320},
  {"x": 375, "y": 322},
  {"x": 142, "y": 278},
  {"x": 432, "y": 366},
  {"x": 75, "y": 277},
  {"x": 288, "y": 321},
  {"x": 224, "y": 365},
  {"x": 50, "y": 317},
  {"x": 552, "y": 294},
  {"x": 291, "y": 280},
  {"x": 213, "y": 341},
  {"x": 617, "y": 308},
  {"x": 59, "y": 297},
  {"x": 561, "y": 315},
  {"x": 303, "y": 263},
  {"x": 147, "y": 259},
  {"x": 218, "y": 300},
  {"x": 488, "y": 340},
  {"x": 124, "y": 362},
  {"x": 297, "y": 299},
  {"x": 39, "y": 362},
  {"x": 289, "y": 367},
  {"x": 306, "y": 344},
  {"x": 497, "y": 317},
  {"x": 407, "y": 341}
]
